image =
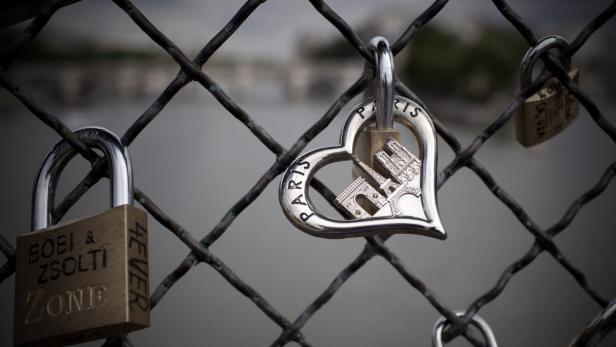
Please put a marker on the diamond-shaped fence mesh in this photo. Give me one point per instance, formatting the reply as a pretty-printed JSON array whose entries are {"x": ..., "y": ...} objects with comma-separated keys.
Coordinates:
[{"x": 190, "y": 71}]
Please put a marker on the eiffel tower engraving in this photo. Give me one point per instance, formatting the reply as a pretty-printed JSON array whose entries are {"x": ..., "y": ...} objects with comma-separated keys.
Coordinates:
[{"x": 375, "y": 195}]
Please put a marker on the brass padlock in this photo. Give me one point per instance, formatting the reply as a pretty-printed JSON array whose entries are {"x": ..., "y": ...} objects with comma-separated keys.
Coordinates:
[
  {"x": 550, "y": 110},
  {"x": 87, "y": 279},
  {"x": 373, "y": 138}
]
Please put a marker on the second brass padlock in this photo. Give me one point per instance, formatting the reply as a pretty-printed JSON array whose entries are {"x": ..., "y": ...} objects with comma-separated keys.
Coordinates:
[
  {"x": 87, "y": 279},
  {"x": 550, "y": 110}
]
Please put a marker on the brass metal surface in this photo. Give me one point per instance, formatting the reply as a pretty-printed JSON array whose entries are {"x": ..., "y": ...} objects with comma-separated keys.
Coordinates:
[
  {"x": 368, "y": 143},
  {"x": 83, "y": 280},
  {"x": 547, "y": 112}
]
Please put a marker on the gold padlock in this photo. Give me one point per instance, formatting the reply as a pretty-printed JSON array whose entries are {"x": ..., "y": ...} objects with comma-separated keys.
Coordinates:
[
  {"x": 550, "y": 110},
  {"x": 87, "y": 279},
  {"x": 369, "y": 142},
  {"x": 373, "y": 138}
]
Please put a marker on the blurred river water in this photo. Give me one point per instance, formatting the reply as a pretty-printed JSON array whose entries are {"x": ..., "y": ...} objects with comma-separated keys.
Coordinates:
[{"x": 195, "y": 161}]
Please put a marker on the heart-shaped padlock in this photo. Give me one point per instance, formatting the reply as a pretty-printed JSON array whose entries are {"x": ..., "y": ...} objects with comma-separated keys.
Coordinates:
[{"x": 398, "y": 196}]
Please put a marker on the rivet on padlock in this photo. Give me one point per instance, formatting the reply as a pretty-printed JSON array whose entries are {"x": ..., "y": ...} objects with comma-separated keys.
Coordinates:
[
  {"x": 551, "y": 109},
  {"x": 87, "y": 279},
  {"x": 394, "y": 191},
  {"x": 478, "y": 322}
]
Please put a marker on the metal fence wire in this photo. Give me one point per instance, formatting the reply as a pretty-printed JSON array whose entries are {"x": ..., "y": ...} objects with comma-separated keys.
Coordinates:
[{"x": 190, "y": 70}]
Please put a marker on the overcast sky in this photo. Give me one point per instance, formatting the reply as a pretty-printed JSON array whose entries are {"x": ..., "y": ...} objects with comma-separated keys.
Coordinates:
[{"x": 272, "y": 30}]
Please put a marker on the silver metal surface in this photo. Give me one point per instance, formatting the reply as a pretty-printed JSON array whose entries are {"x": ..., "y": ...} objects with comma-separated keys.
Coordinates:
[
  {"x": 598, "y": 328},
  {"x": 385, "y": 80},
  {"x": 121, "y": 174},
  {"x": 411, "y": 178},
  {"x": 534, "y": 53},
  {"x": 478, "y": 322}
]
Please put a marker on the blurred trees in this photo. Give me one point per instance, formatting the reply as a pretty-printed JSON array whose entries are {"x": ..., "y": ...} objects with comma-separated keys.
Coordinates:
[
  {"x": 441, "y": 62},
  {"x": 53, "y": 49}
]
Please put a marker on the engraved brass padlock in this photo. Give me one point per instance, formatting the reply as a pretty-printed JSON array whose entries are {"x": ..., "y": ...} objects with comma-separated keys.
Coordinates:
[
  {"x": 550, "y": 110},
  {"x": 86, "y": 279}
]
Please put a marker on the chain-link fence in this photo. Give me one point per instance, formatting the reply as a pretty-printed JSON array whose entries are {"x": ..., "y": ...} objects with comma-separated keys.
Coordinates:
[{"x": 190, "y": 71}]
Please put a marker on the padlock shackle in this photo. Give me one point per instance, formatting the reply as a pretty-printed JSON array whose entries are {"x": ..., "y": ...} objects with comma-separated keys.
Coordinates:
[
  {"x": 118, "y": 161},
  {"x": 477, "y": 321},
  {"x": 384, "y": 62},
  {"x": 534, "y": 54}
]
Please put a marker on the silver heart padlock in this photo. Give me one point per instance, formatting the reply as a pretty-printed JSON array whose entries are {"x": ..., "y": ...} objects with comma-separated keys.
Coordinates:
[{"x": 397, "y": 196}]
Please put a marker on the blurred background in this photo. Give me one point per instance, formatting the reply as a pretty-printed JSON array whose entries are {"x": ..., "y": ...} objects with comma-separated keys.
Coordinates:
[{"x": 285, "y": 65}]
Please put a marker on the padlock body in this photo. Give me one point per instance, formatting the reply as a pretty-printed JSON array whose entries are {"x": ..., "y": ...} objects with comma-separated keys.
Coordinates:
[
  {"x": 370, "y": 141},
  {"x": 83, "y": 280},
  {"x": 547, "y": 112}
]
